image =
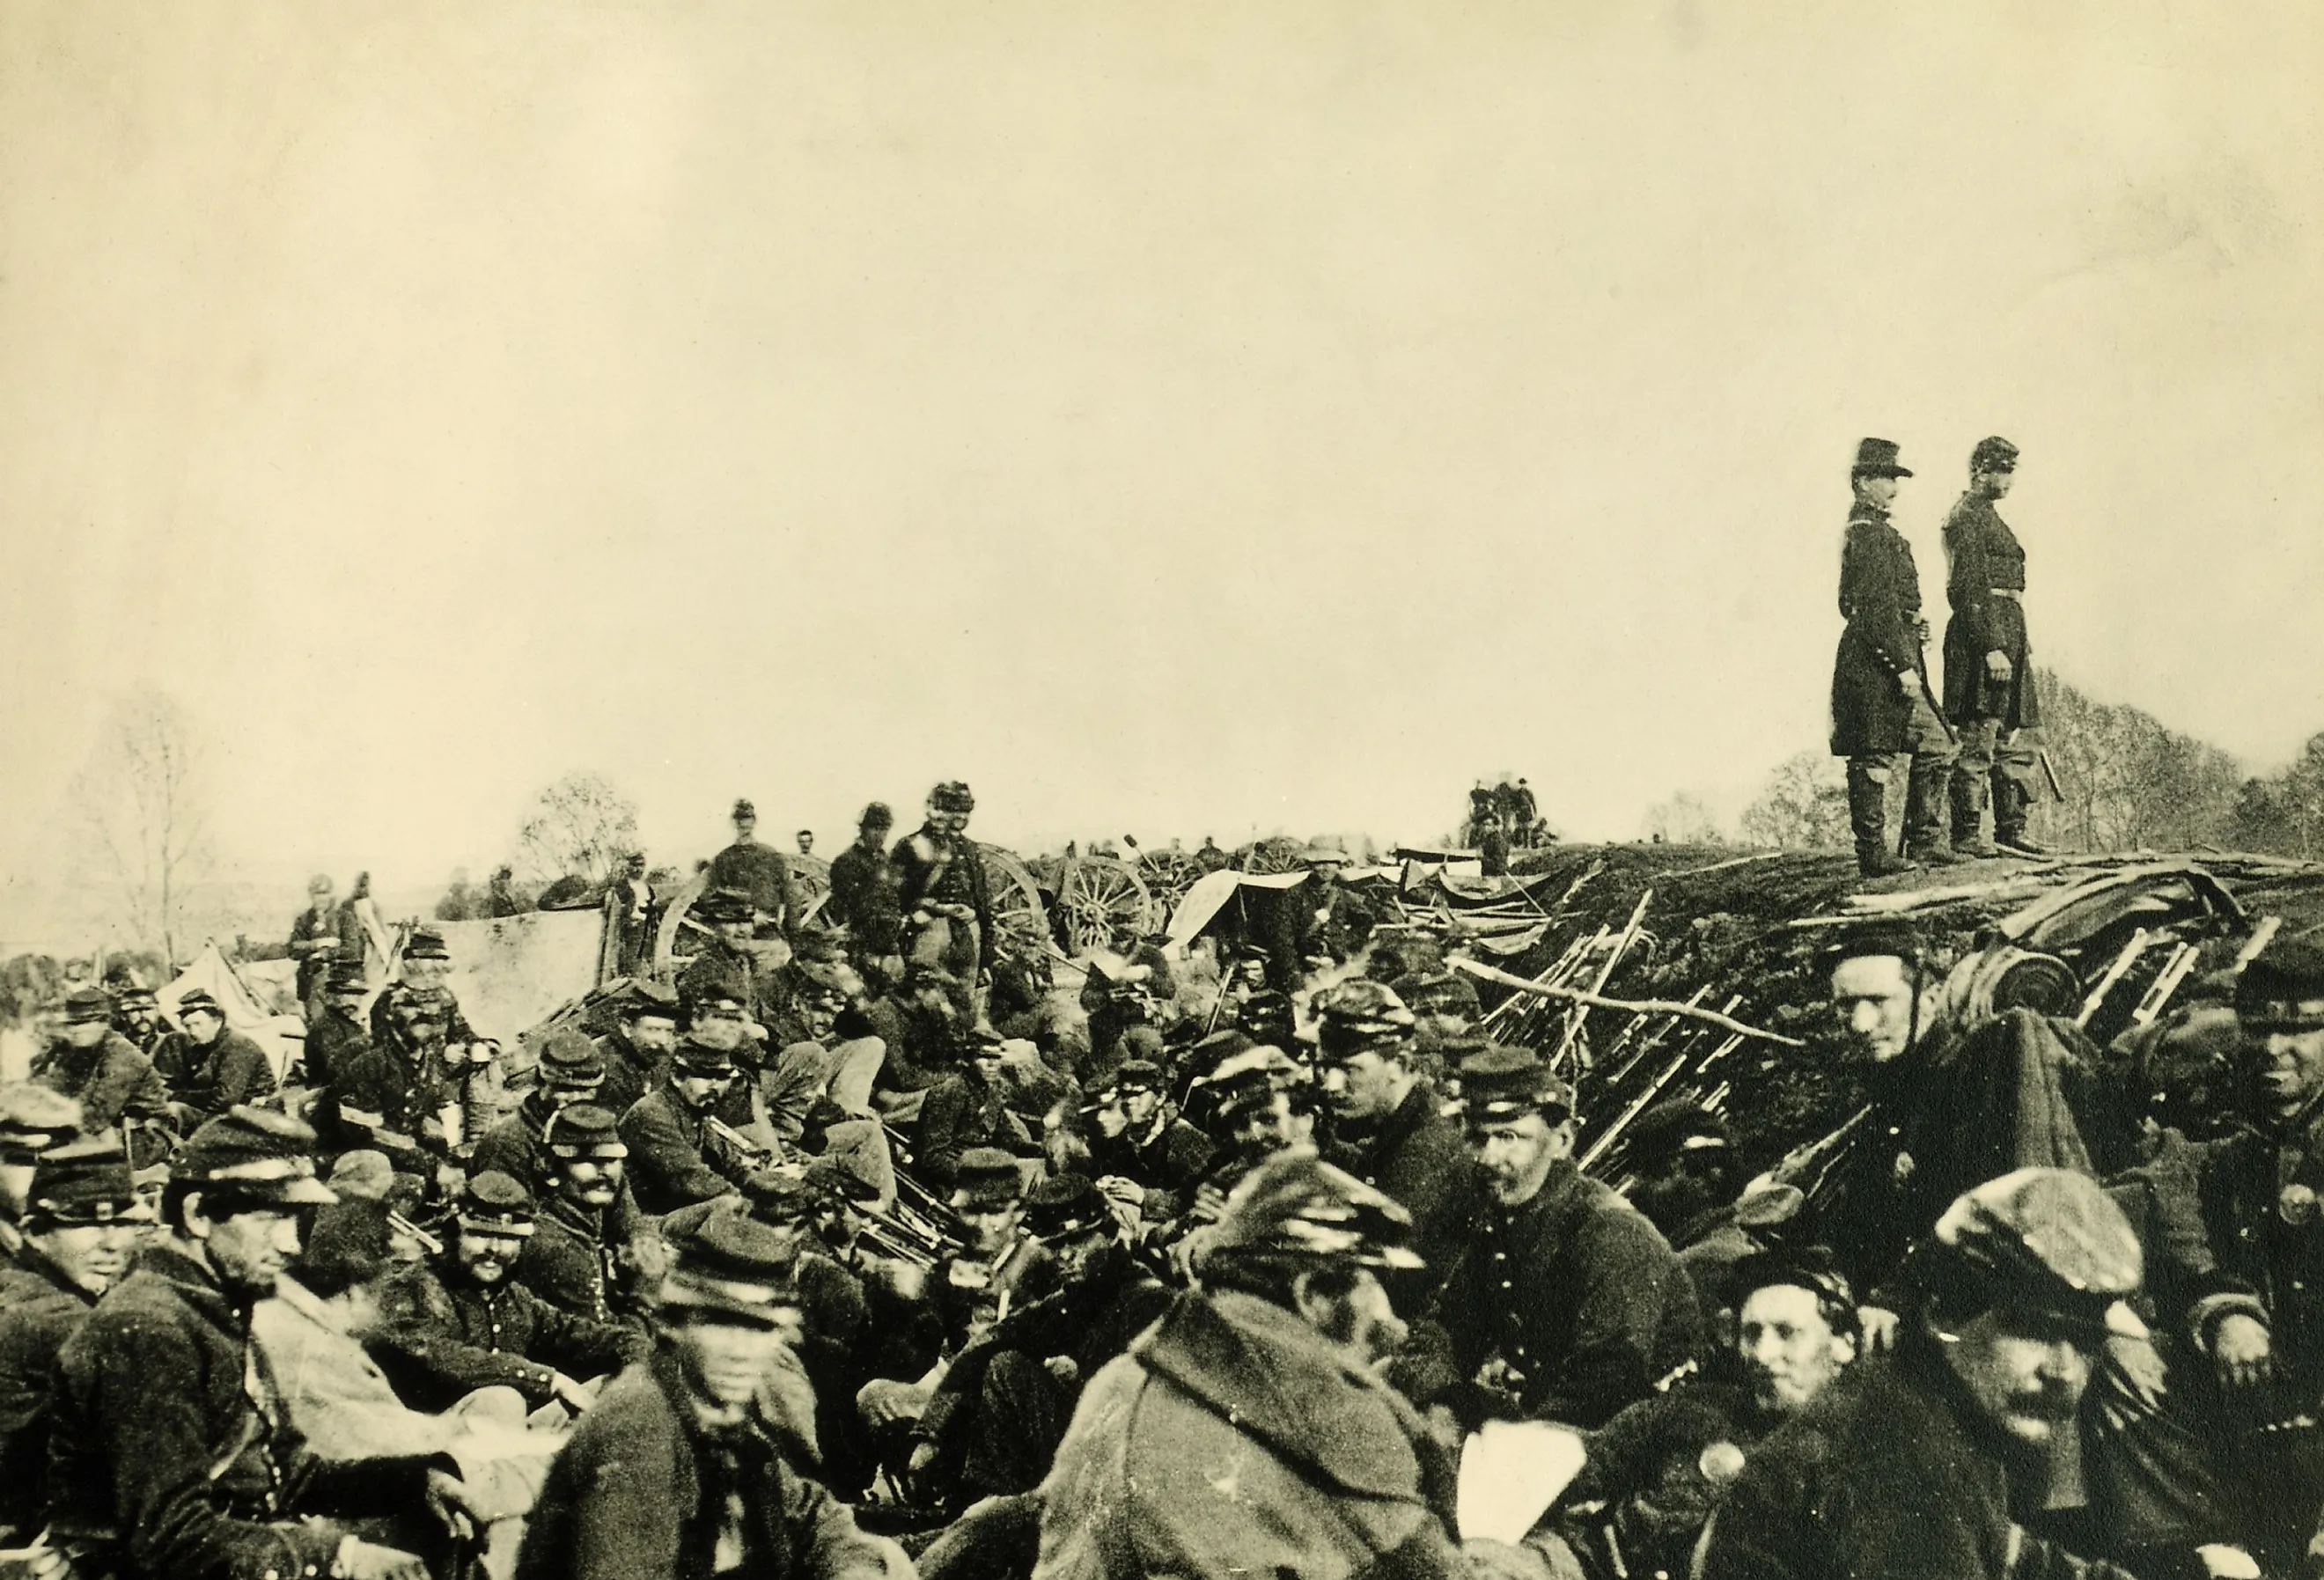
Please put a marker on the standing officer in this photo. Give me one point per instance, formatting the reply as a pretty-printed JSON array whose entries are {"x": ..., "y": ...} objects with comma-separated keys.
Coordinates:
[
  {"x": 1880, "y": 705},
  {"x": 1989, "y": 680}
]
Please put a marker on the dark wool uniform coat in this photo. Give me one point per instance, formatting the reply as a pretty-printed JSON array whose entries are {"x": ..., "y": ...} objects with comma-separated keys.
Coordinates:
[
  {"x": 677, "y": 1159},
  {"x": 1417, "y": 1155},
  {"x": 1889, "y": 1473},
  {"x": 334, "y": 1041},
  {"x": 109, "y": 1081},
  {"x": 39, "y": 1310},
  {"x": 160, "y": 1454},
  {"x": 1983, "y": 554},
  {"x": 447, "y": 1336},
  {"x": 1880, "y": 599},
  {"x": 626, "y": 1499},
  {"x": 1233, "y": 1441},
  {"x": 1578, "y": 1292},
  {"x": 212, "y": 1079}
]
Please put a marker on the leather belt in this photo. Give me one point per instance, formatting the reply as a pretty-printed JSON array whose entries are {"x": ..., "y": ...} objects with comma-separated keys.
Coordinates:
[{"x": 2014, "y": 595}]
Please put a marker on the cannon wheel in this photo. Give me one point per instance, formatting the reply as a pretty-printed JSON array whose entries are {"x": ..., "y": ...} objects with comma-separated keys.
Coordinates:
[
  {"x": 1167, "y": 875},
  {"x": 1102, "y": 904},
  {"x": 1020, "y": 916},
  {"x": 1279, "y": 855}
]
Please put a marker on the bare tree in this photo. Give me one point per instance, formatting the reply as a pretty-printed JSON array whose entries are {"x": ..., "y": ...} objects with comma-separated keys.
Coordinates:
[
  {"x": 138, "y": 795},
  {"x": 581, "y": 826}
]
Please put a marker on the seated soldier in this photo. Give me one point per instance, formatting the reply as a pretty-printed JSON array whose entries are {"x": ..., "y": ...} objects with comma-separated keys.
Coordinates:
[
  {"x": 82, "y": 1220},
  {"x": 34, "y": 1120},
  {"x": 341, "y": 1034},
  {"x": 727, "y": 964},
  {"x": 425, "y": 966},
  {"x": 969, "y": 1109},
  {"x": 969, "y": 1291},
  {"x": 1260, "y": 1104},
  {"x": 1656, "y": 1470},
  {"x": 171, "y": 1452},
  {"x": 637, "y": 1050},
  {"x": 699, "y": 1133},
  {"x": 1141, "y": 1139},
  {"x": 137, "y": 1016},
  {"x": 570, "y": 1070},
  {"x": 1936, "y": 1460},
  {"x": 312, "y": 1331},
  {"x": 95, "y": 1066},
  {"x": 676, "y": 1474},
  {"x": 993, "y": 1427},
  {"x": 464, "y": 1323},
  {"x": 405, "y": 1095},
  {"x": 579, "y": 1256},
  {"x": 208, "y": 1066},
  {"x": 1390, "y": 1131}
]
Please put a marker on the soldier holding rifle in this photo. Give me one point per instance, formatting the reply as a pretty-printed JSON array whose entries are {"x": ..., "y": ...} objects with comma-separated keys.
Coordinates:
[{"x": 1881, "y": 707}]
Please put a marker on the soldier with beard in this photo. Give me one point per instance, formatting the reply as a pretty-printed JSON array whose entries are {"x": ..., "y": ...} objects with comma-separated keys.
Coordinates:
[
  {"x": 97, "y": 1067},
  {"x": 637, "y": 1050},
  {"x": 1933, "y": 1462},
  {"x": 406, "y": 1094},
  {"x": 2243, "y": 1281},
  {"x": 465, "y": 1323},
  {"x": 81, "y": 1222},
  {"x": 1247, "y": 1433},
  {"x": 170, "y": 1452},
  {"x": 678, "y": 1155},
  {"x": 941, "y": 891},
  {"x": 340, "y": 1034},
  {"x": 575, "y": 1259},
  {"x": 137, "y": 1016},
  {"x": 425, "y": 966},
  {"x": 993, "y": 1425}
]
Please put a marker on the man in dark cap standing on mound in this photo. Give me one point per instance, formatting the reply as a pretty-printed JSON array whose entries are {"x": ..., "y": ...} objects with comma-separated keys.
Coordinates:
[
  {"x": 1880, "y": 699},
  {"x": 1988, "y": 673},
  {"x": 758, "y": 871}
]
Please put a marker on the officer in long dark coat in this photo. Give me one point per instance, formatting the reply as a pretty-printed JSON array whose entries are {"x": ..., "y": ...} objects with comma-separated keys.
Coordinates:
[
  {"x": 1880, "y": 705},
  {"x": 1988, "y": 673}
]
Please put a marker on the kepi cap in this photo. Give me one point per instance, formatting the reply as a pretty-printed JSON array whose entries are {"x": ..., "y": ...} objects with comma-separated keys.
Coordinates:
[
  {"x": 1505, "y": 1082},
  {"x": 1297, "y": 1207},
  {"x": 2046, "y": 1240},
  {"x": 253, "y": 1155},
  {"x": 82, "y": 1183},
  {"x": 493, "y": 1203},
  {"x": 2284, "y": 988},
  {"x": 728, "y": 1266},
  {"x": 1993, "y": 454}
]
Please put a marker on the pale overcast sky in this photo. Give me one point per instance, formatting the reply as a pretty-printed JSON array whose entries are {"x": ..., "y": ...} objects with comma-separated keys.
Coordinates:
[{"x": 1171, "y": 419}]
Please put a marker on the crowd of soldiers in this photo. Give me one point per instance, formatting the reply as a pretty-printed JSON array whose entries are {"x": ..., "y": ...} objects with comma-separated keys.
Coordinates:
[{"x": 844, "y": 1255}]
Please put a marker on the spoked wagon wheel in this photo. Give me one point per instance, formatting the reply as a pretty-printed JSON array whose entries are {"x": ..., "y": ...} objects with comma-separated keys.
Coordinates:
[
  {"x": 1020, "y": 917},
  {"x": 1102, "y": 904},
  {"x": 1167, "y": 875},
  {"x": 1279, "y": 855}
]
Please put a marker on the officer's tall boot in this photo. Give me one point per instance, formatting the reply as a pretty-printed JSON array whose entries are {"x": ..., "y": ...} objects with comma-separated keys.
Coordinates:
[
  {"x": 1966, "y": 790},
  {"x": 1867, "y": 819},
  {"x": 2012, "y": 805},
  {"x": 1925, "y": 813}
]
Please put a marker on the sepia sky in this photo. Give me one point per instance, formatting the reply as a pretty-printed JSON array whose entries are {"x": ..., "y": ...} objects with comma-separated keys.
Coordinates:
[{"x": 1171, "y": 419}]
